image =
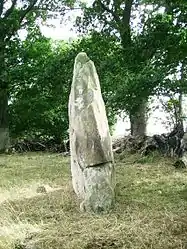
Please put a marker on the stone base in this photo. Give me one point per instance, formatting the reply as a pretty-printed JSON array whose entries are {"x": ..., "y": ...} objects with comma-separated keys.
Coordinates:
[
  {"x": 4, "y": 139},
  {"x": 99, "y": 188}
]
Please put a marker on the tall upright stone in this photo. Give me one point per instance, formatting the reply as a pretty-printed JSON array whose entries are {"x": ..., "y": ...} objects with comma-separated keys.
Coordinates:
[{"x": 92, "y": 163}]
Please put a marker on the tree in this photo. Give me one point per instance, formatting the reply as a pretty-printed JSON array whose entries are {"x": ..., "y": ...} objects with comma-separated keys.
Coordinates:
[
  {"x": 137, "y": 75},
  {"x": 173, "y": 54},
  {"x": 18, "y": 15},
  {"x": 114, "y": 20},
  {"x": 39, "y": 107},
  {"x": 42, "y": 79}
]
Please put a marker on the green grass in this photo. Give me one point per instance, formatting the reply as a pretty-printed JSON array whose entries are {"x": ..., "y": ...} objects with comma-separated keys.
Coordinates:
[{"x": 150, "y": 211}]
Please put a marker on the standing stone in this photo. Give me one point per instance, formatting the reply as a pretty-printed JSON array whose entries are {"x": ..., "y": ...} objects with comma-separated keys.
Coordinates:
[{"x": 92, "y": 163}]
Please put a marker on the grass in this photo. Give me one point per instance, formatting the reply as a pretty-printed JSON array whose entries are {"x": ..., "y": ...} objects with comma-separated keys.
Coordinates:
[{"x": 38, "y": 209}]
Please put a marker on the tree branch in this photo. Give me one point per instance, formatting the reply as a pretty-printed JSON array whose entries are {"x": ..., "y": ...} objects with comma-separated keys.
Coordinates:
[
  {"x": 113, "y": 13},
  {"x": 64, "y": 9},
  {"x": 1, "y": 6},
  {"x": 124, "y": 29},
  {"x": 22, "y": 15},
  {"x": 10, "y": 10},
  {"x": 27, "y": 10},
  {"x": 127, "y": 13}
]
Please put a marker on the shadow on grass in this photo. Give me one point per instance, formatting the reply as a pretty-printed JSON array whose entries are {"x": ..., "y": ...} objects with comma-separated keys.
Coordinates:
[{"x": 183, "y": 194}]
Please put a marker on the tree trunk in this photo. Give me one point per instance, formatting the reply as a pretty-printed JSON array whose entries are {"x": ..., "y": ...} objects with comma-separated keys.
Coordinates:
[
  {"x": 4, "y": 130},
  {"x": 124, "y": 28},
  {"x": 4, "y": 127},
  {"x": 184, "y": 111},
  {"x": 138, "y": 121},
  {"x": 180, "y": 118},
  {"x": 183, "y": 98}
]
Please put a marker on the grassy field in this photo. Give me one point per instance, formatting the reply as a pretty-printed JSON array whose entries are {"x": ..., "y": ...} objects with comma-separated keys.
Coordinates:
[{"x": 38, "y": 209}]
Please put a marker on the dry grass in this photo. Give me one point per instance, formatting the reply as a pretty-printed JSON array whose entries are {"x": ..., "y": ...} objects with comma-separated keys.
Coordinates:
[{"x": 150, "y": 212}]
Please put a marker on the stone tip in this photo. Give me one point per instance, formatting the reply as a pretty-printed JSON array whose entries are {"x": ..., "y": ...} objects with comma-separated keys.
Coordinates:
[{"x": 82, "y": 58}]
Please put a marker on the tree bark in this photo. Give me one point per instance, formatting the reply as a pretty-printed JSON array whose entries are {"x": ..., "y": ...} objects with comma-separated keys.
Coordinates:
[
  {"x": 4, "y": 130},
  {"x": 125, "y": 30},
  {"x": 138, "y": 121}
]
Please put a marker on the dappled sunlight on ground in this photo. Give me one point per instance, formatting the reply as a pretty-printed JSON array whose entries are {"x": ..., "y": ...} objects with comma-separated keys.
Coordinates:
[
  {"x": 28, "y": 191},
  {"x": 19, "y": 230},
  {"x": 14, "y": 231}
]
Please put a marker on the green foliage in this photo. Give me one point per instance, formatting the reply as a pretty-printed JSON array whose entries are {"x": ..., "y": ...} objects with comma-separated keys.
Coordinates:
[
  {"x": 39, "y": 107},
  {"x": 23, "y": 15},
  {"x": 152, "y": 158},
  {"x": 15, "y": 16},
  {"x": 143, "y": 59},
  {"x": 171, "y": 103},
  {"x": 132, "y": 65}
]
